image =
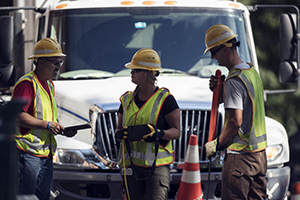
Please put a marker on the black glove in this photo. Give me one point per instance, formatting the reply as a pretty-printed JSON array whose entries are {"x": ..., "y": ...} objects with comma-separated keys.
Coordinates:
[
  {"x": 213, "y": 81},
  {"x": 145, "y": 132},
  {"x": 120, "y": 134}
]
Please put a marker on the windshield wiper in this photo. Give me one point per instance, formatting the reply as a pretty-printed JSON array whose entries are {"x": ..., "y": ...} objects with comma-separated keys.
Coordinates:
[
  {"x": 179, "y": 72},
  {"x": 83, "y": 78}
]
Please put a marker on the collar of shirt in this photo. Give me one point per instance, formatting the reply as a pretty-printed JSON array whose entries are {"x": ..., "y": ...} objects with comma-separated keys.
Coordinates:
[{"x": 243, "y": 65}]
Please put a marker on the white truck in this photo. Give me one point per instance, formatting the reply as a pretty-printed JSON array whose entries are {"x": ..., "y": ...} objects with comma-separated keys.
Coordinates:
[{"x": 99, "y": 37}]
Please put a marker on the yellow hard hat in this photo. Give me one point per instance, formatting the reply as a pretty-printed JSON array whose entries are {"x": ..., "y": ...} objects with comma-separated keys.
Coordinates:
[
  {"x": 46, "y": 47},
  {"x": 218, "y": 35},
  {"x": 147, "y": 59}
]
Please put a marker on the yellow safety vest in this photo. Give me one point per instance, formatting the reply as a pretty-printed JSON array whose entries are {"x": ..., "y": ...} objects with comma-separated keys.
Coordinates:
[
  {"x": 143, "y": 153},
  {"x": 39, "y": 142},
  {"x": 256, "y": 139}
]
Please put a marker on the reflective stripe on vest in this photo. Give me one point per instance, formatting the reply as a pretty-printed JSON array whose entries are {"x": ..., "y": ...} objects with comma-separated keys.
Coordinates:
[
  {"x": 256, "y": 139},
  {"x": 142, "y": 153},
  {"x": 39, "y": 141}
]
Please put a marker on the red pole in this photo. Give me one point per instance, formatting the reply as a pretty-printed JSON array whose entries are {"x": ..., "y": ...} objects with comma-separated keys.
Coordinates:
[
  {"x": 214, "y": 107},
  {"x": 213, "y": 119}
]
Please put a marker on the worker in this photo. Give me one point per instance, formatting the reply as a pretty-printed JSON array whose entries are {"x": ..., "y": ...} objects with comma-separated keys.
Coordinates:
[
  {"x": 244, "y": 132},
  {"x": 148, "y": 121},
  {"x": 38, "y": 122}
]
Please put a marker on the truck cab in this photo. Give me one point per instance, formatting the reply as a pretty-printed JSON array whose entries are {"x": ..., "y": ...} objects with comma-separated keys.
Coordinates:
[{"x": 99, "y": 37}]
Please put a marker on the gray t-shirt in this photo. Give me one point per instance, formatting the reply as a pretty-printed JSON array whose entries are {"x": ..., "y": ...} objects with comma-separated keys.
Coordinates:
[{"x": 236, "y": 97}]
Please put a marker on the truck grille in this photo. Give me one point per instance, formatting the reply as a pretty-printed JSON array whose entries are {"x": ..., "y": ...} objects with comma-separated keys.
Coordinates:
[{"x": 192, "y": 122}]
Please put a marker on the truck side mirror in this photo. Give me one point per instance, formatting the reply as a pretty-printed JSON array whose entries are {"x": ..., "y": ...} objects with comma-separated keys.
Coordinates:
[
  {"x": 288, "y": 72},
  {"x": 288, "y": 48},
  {"x": 288, "y": 36},
  {"x": 6, "y": 52}
]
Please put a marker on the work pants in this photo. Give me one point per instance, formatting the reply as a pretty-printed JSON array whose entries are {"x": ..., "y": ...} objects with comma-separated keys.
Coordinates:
[
  {"x": 243, "y": 176},
  {"x": 153, "y": 188},
  {"x": 35, "y": 175}
]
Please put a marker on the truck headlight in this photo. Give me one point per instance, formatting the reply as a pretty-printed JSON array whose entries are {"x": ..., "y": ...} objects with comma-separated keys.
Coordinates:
[
  {"x": 273, "y": 152},
  {"x": 74, "y": 158}
]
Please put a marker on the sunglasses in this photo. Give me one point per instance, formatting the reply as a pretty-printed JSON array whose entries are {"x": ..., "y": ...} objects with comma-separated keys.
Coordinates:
[
  {"x": 214, "y": 52},
  {"x": 137, "y": 70},
  {"x": 55, "y": 62}
]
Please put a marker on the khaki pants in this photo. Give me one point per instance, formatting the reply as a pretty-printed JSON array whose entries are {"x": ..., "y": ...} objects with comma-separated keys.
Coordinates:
[
  {"x": 243, "y": 176},
  {"x": 154, "y": 188}
]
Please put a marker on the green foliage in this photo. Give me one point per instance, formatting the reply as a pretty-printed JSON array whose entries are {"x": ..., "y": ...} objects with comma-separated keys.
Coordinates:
[{"x": 265, "y": 25}]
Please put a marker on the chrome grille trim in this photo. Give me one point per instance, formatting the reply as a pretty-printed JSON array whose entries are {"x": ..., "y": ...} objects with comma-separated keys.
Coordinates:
[{"x": 192, "y": 122}]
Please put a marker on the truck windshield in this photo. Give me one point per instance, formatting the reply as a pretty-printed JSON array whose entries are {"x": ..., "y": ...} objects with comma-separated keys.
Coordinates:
[{"x": 98, "y": 42}]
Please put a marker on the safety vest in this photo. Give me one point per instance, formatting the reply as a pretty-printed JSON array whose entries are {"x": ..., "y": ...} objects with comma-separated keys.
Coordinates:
[
  {"x": 39, "y": 142},
  {"x": 143, "y": 153},
  {"x": 256, "y": 139}
]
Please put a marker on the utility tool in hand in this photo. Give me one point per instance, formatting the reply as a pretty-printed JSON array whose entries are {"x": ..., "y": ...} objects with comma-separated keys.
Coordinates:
[
  {"x": 213, "y": 121},
  {"x": 144, "y": 132}
]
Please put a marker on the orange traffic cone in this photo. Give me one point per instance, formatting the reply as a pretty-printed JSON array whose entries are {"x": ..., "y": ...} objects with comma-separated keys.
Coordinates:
[
  {"x": 124, "y": 196},
  {"x": 296, "y": 191},
  {"x": 190, "y": 185}
]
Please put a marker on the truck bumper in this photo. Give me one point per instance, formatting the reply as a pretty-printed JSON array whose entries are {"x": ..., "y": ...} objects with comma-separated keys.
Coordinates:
[
  {"x": 76, "y": 185},
  {"x": 278, "y": 182}
]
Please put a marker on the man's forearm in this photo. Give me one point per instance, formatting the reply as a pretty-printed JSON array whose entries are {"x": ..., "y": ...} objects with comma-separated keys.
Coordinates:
[
  {"x": 27, "y": 121},
  {"x": 229, "y": 131}
]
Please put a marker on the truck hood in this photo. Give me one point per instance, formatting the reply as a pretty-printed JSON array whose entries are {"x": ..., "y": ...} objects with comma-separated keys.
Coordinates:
[{"x": 190, "y": 92}]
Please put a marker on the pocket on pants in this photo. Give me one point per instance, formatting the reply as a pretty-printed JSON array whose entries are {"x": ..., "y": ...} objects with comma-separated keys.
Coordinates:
[
  {"x": 165, "y": 183},
  {"x": 236, "y": 180},
  {"x": 239, "y": 184},
  {"x": 236, "y": 174},
  {"x": 164, "y": 189}
]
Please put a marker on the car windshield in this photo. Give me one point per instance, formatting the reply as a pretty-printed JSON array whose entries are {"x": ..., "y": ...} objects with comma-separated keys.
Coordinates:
[{"x": 99, "y": 42}]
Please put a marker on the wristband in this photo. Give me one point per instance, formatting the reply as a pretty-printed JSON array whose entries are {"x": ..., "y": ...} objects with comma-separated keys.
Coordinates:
[{"x": 48, "y": 127}]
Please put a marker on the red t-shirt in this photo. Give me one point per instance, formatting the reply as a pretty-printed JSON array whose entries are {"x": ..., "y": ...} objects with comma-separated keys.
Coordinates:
[{"x": 24, "y": 91}]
